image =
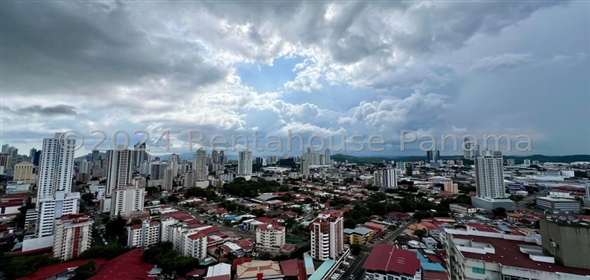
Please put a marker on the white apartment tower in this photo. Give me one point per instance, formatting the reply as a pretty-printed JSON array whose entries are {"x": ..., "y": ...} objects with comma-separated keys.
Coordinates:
[
  {"x": 489, "y": 177},
  {"x": 305, "y": 169},
  {"x": 327, "y": 235},
  {"x": 128, "y": 199},
  {"x": 174, "y": 164},
  {"x": 389, "y": 178},
  {"x": 119, "y": 169},
  {"x": 54, "y": 197},
  {"x": 327, "y": 155},
  {"x": 73, "y": 235},
  {"x": 245, "y": 163},
  {"x": 201, "y": 165}
]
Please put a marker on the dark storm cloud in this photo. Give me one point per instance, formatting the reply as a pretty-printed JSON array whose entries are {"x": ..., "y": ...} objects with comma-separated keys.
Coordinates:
[
  {"x": 90, "y": 48},
  {"x": 48, "y": 111}
]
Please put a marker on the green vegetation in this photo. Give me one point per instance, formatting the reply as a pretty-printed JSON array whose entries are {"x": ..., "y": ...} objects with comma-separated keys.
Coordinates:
[
  {"x": 115, "y": 230},
  {"x": 109, "y": 252},
  {"x": 200, "y": 192},
  {"x": 499, "y": 212},
  {"x": 379, "y": 204},
  {"x": 242, "y": 188},
  {"x": 164, "y": 256},
  {"x": 15, "y": 267},
  {"x": 85, "y": 271}
]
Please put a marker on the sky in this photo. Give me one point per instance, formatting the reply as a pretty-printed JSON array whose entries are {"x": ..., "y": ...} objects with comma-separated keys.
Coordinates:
[{"x": 373, "y": 73}]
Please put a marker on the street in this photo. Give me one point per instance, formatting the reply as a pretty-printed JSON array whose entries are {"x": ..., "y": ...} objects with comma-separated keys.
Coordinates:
[{"x": 356, "y": 270}]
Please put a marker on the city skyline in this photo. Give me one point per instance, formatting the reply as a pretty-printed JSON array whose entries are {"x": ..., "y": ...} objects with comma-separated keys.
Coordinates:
[{"x": 381, "y": 69}]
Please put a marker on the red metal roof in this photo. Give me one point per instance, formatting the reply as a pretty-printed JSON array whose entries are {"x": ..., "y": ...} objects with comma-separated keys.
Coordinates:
[
  {"x": 128, "y": 266},
  {"x": 49, "y": 271},
  {"x": 289, "y": 267},
  {"x": 385, "y": 257}
]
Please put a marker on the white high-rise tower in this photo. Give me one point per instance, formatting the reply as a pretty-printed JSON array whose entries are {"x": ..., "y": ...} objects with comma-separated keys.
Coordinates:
[
  {"x": 489, "y": 177},
  {"x": 200, "y": 165},
  {"x": 245, "y": 163},
  {"x": 119, "y": 169},
  {"x": 54, "y": 196}
]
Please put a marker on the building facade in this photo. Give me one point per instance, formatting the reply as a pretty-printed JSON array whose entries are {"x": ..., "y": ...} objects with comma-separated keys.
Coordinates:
[
  {"x": 143, "y": 235},
  {"x": 119, "y": 169},
  {"x": 327, "y": 235},
  {"x": 23, "y": 172},
  {"x": 489, "y": 176},
  {"x": 73, "y": 235},
  {"x": 128, "y": 199},
  {"x": 245, "y": 163},
  {"x": 54, "y": 189},
  {"x": 270, "y": 236}
]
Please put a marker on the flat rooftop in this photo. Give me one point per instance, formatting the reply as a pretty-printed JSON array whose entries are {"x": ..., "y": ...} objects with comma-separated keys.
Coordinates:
[{"x": 507, "y": 253}]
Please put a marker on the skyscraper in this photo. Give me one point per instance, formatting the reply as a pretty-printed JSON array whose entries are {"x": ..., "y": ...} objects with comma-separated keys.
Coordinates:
[
  {"x": 245, "y": 163},
  {"x": 200, "y": 165},
  {"x": 119, "y": 169},
  {"x": 328, "y": 157},
  {"x": 54, "y": 196},
  {"x": 389, "y": 178},
  {"x": 305, "y": 169},
  {"x": 432, "y": 156},
  {"x": 489, "y": 177},
  {"x": 139, "y": 155},
  {"x": 174, "y": 162}
]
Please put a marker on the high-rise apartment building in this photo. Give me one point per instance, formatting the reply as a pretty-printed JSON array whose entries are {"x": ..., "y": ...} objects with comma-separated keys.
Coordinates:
[
  {"x": 143, "y": 235},
  {"x": 200, "y": 165},
  {"x": 432, "y": 156},
  {"x": 168, "y": 179},
  {"x": 327, "y": 235},
  {"x": 54, "y": 196},
  {"x": 489, "y": 177},
  {"x": 245, "y": 163},
  {"x": 6, "y": 160},
  {"x": 73, "y": 235},
  {"x": 119, "y": 169},
  {"x": 139, "y": 155},
  {"x": 305, "y": 169},
  {"x": 174, "y": 164},
  {"x": 389, "y": 178},
  {"x": 328, "y": 156},
  {"x": 129, "y": 198}
]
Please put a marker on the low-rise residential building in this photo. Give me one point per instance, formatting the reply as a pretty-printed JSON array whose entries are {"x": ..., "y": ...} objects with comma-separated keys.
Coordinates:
[
  {"x": 462, "y": 208},
  {"x": 259, "y": 270},
  {"x": 489, "y": 255},
  {"x": 358, "y": 236},
  {"x": 389, "y": 262},
  {"x": 144, "y": 234},
  {"x": 557, "y": 205},
  {"x": 270, "y": 236}
]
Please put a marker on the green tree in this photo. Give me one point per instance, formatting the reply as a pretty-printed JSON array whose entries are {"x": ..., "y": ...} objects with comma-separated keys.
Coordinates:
[
  {"x": 173, "y": 198},
  {"x": 355, "y": 249},
  {"x": 499, "y": 212},
  {"x": 85, "y": 271}
]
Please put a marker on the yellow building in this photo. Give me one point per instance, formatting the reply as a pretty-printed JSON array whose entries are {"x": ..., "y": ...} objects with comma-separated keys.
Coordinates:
[
  {"x": 357, "y": 236},
  {"x": 24, "y": 172}
]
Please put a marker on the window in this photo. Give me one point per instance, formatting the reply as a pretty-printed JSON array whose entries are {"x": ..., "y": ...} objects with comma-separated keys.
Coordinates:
[{"x": 478, "y": 270}]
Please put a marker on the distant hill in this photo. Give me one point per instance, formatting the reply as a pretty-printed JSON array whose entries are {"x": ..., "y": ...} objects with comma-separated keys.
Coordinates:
[{"x": 517, "y": 159}]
